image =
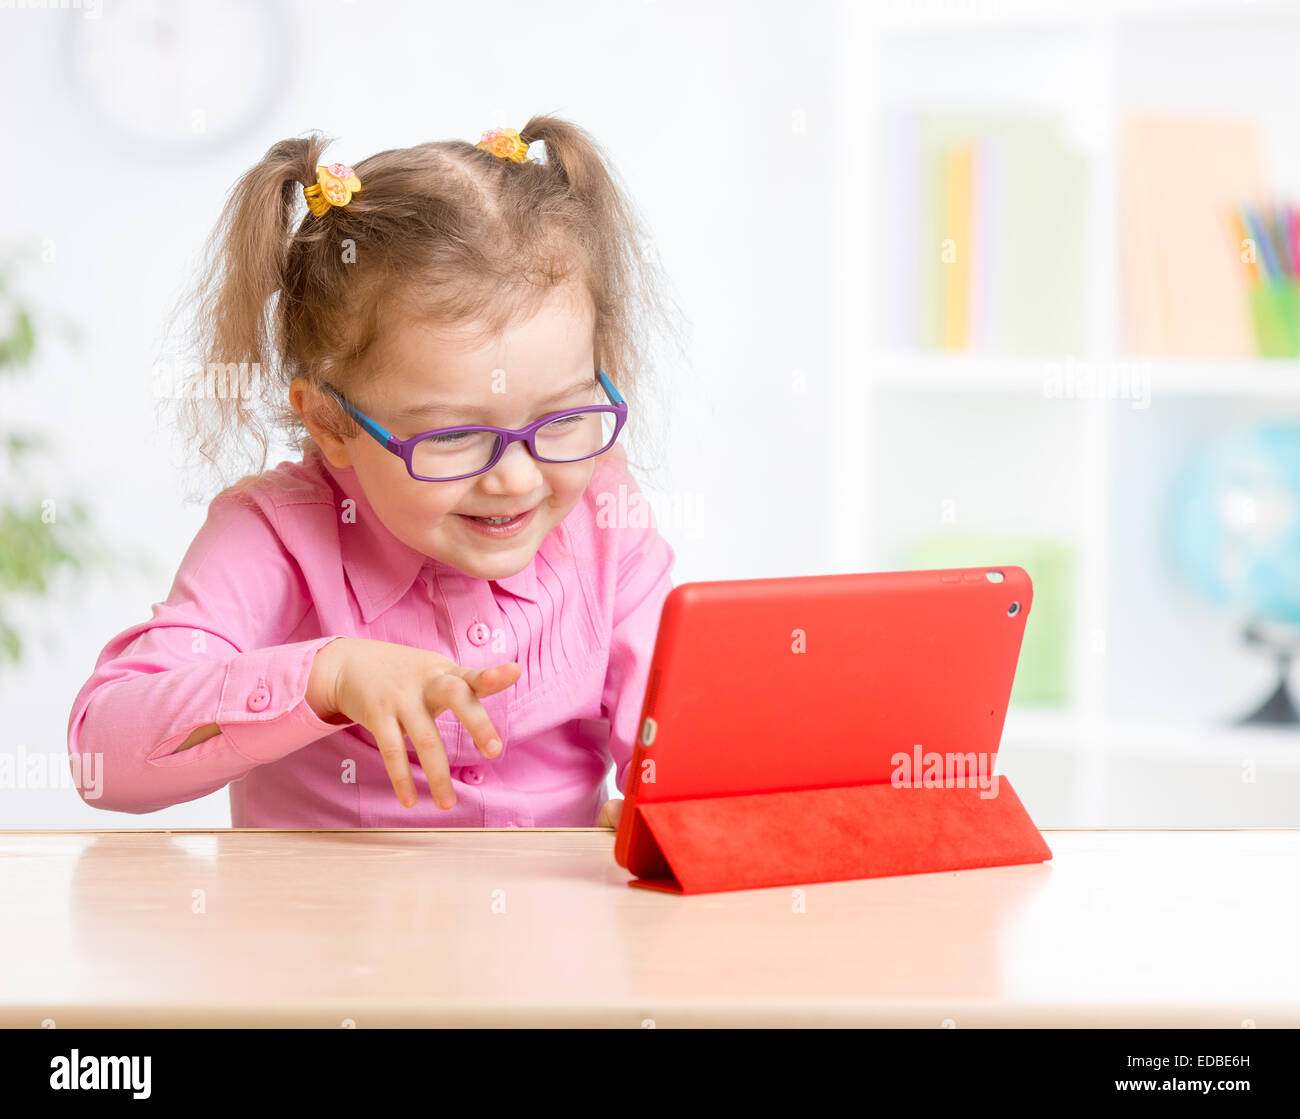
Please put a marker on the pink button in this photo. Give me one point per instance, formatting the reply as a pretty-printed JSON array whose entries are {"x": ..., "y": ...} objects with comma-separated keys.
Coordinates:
[
  {"x": 478, "y": 633},
  {"x": 259, "y": 700},
  {"x": 472, "y": 774}
]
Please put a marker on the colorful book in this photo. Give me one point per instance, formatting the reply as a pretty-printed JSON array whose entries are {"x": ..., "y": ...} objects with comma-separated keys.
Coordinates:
[
  {"x": 1181, "y": 179},
  {"x": 1026, "y": 214},
  {"x": 955, "y": 247}
]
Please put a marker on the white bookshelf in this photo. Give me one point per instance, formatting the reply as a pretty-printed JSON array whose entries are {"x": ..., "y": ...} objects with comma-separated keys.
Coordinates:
[
  {"x": 1157, "y": 675},
  {"x": 1267, "y": 379}
]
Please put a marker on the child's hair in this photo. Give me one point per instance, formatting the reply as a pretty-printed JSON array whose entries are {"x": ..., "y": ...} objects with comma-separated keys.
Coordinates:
[{"x": 443, "y": 232}]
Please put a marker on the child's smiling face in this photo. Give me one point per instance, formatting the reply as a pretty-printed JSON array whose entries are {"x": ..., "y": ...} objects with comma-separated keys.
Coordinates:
[{"x": 435, "y": 377}]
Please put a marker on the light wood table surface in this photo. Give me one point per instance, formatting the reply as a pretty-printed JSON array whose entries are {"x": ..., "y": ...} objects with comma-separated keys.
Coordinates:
[{"x": 458, "y": 927}]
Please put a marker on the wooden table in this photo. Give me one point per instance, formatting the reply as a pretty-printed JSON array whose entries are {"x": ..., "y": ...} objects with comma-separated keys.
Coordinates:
[{"x": 458, "y": 927}]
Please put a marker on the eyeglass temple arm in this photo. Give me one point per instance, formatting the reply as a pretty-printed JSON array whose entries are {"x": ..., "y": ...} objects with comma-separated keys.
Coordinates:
[
  {"x": 365, "y": 421},
  {"x": 613, "y": 393}
]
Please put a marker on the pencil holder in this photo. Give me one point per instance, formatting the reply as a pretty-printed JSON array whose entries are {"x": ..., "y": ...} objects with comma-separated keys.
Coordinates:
[{"x": 1275, "y": 310}]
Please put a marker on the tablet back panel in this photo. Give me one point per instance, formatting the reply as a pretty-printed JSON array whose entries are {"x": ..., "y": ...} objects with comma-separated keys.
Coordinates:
[{"x": 760, "y": 685}]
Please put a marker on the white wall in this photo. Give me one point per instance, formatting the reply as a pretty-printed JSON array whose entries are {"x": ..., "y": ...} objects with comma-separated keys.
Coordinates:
[{"x": 722, "y": 118}]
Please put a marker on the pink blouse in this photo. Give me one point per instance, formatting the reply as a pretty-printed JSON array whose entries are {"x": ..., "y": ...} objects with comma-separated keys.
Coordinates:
[{"x": 275, "y": 574}]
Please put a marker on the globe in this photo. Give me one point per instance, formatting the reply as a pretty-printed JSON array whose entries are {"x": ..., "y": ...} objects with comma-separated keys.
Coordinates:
[{"x": 1236, "y": 535}]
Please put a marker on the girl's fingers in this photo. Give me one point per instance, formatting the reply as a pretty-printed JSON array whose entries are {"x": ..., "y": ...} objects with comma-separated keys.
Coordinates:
[
  {"x": 486, "y": 681},
  {"x": 388, "y": 736},
  {"x": 428, "y": 745},
  {"x": 456, "y": 689},
  {"x": 457, "y": 693}
]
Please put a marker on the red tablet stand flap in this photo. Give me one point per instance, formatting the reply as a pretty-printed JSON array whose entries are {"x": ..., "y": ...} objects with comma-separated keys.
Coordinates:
[{"x": 825, "y": 835}]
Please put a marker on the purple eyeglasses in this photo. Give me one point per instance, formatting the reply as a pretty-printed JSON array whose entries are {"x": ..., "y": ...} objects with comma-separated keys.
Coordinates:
[{"x": 448, "y": 454}]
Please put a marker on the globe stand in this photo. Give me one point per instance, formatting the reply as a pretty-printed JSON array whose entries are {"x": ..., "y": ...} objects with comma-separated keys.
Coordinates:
[{"x": 1279, "y": 709}]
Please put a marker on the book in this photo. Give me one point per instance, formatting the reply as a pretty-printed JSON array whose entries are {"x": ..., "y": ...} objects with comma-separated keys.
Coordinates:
[
  {"x": 1181, "y": 179},
  {"x": 955, "y": 247},
  {"x": 1044, "y": 670},
  {"x": 1015, "y": 191}
]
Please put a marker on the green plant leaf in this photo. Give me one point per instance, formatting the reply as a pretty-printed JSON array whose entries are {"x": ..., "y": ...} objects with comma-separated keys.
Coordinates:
[
  {"x": 11, "y": 644},
  {"x": 20, "y": 443},
  {"x": 16, "y": 349},
  {"x": 31, "y": 551}
]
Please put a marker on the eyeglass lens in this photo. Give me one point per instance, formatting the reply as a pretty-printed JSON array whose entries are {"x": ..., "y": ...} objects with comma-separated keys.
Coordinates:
[{"x": 566, "y": 439}]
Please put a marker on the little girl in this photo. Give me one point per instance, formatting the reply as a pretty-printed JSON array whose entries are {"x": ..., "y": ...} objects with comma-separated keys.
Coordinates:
[{"x": 420, "y": 612}]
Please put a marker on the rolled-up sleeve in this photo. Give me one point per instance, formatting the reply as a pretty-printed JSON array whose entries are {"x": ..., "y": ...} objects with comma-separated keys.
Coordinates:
[
  {"x": 644, "y": 581},
  {"x": 211, "y": 654}
]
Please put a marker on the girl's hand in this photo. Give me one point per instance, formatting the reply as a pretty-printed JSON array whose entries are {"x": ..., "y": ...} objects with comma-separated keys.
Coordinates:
[
  {"x": 393, "y": 690},
  {"x": 610, "y": 813}
]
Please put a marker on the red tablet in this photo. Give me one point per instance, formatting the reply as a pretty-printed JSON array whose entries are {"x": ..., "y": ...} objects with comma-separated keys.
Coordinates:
[{"x": 761, "y": 686}]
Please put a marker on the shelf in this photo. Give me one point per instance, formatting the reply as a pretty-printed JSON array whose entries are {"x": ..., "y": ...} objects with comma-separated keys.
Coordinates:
[
  {"x": 1044, "y": 729},
  {"x": 961, "y": 437},
  {"x": 1001, "y": 16},
  {"x": 1127, "y": 378}
]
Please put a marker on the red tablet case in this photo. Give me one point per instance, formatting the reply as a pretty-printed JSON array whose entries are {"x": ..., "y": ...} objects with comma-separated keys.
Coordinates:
[{"x": 776, "y": 720}]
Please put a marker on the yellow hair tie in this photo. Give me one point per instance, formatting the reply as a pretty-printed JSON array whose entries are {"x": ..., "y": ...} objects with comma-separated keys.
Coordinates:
[
  {"x": 335, "y": 185},
  {"x": 505, "y": 144}
]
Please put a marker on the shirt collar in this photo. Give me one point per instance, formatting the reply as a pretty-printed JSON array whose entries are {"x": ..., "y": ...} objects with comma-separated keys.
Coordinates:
[
  {"x": 379, "y": 566},
  {"x": 523, "y": 584}
]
